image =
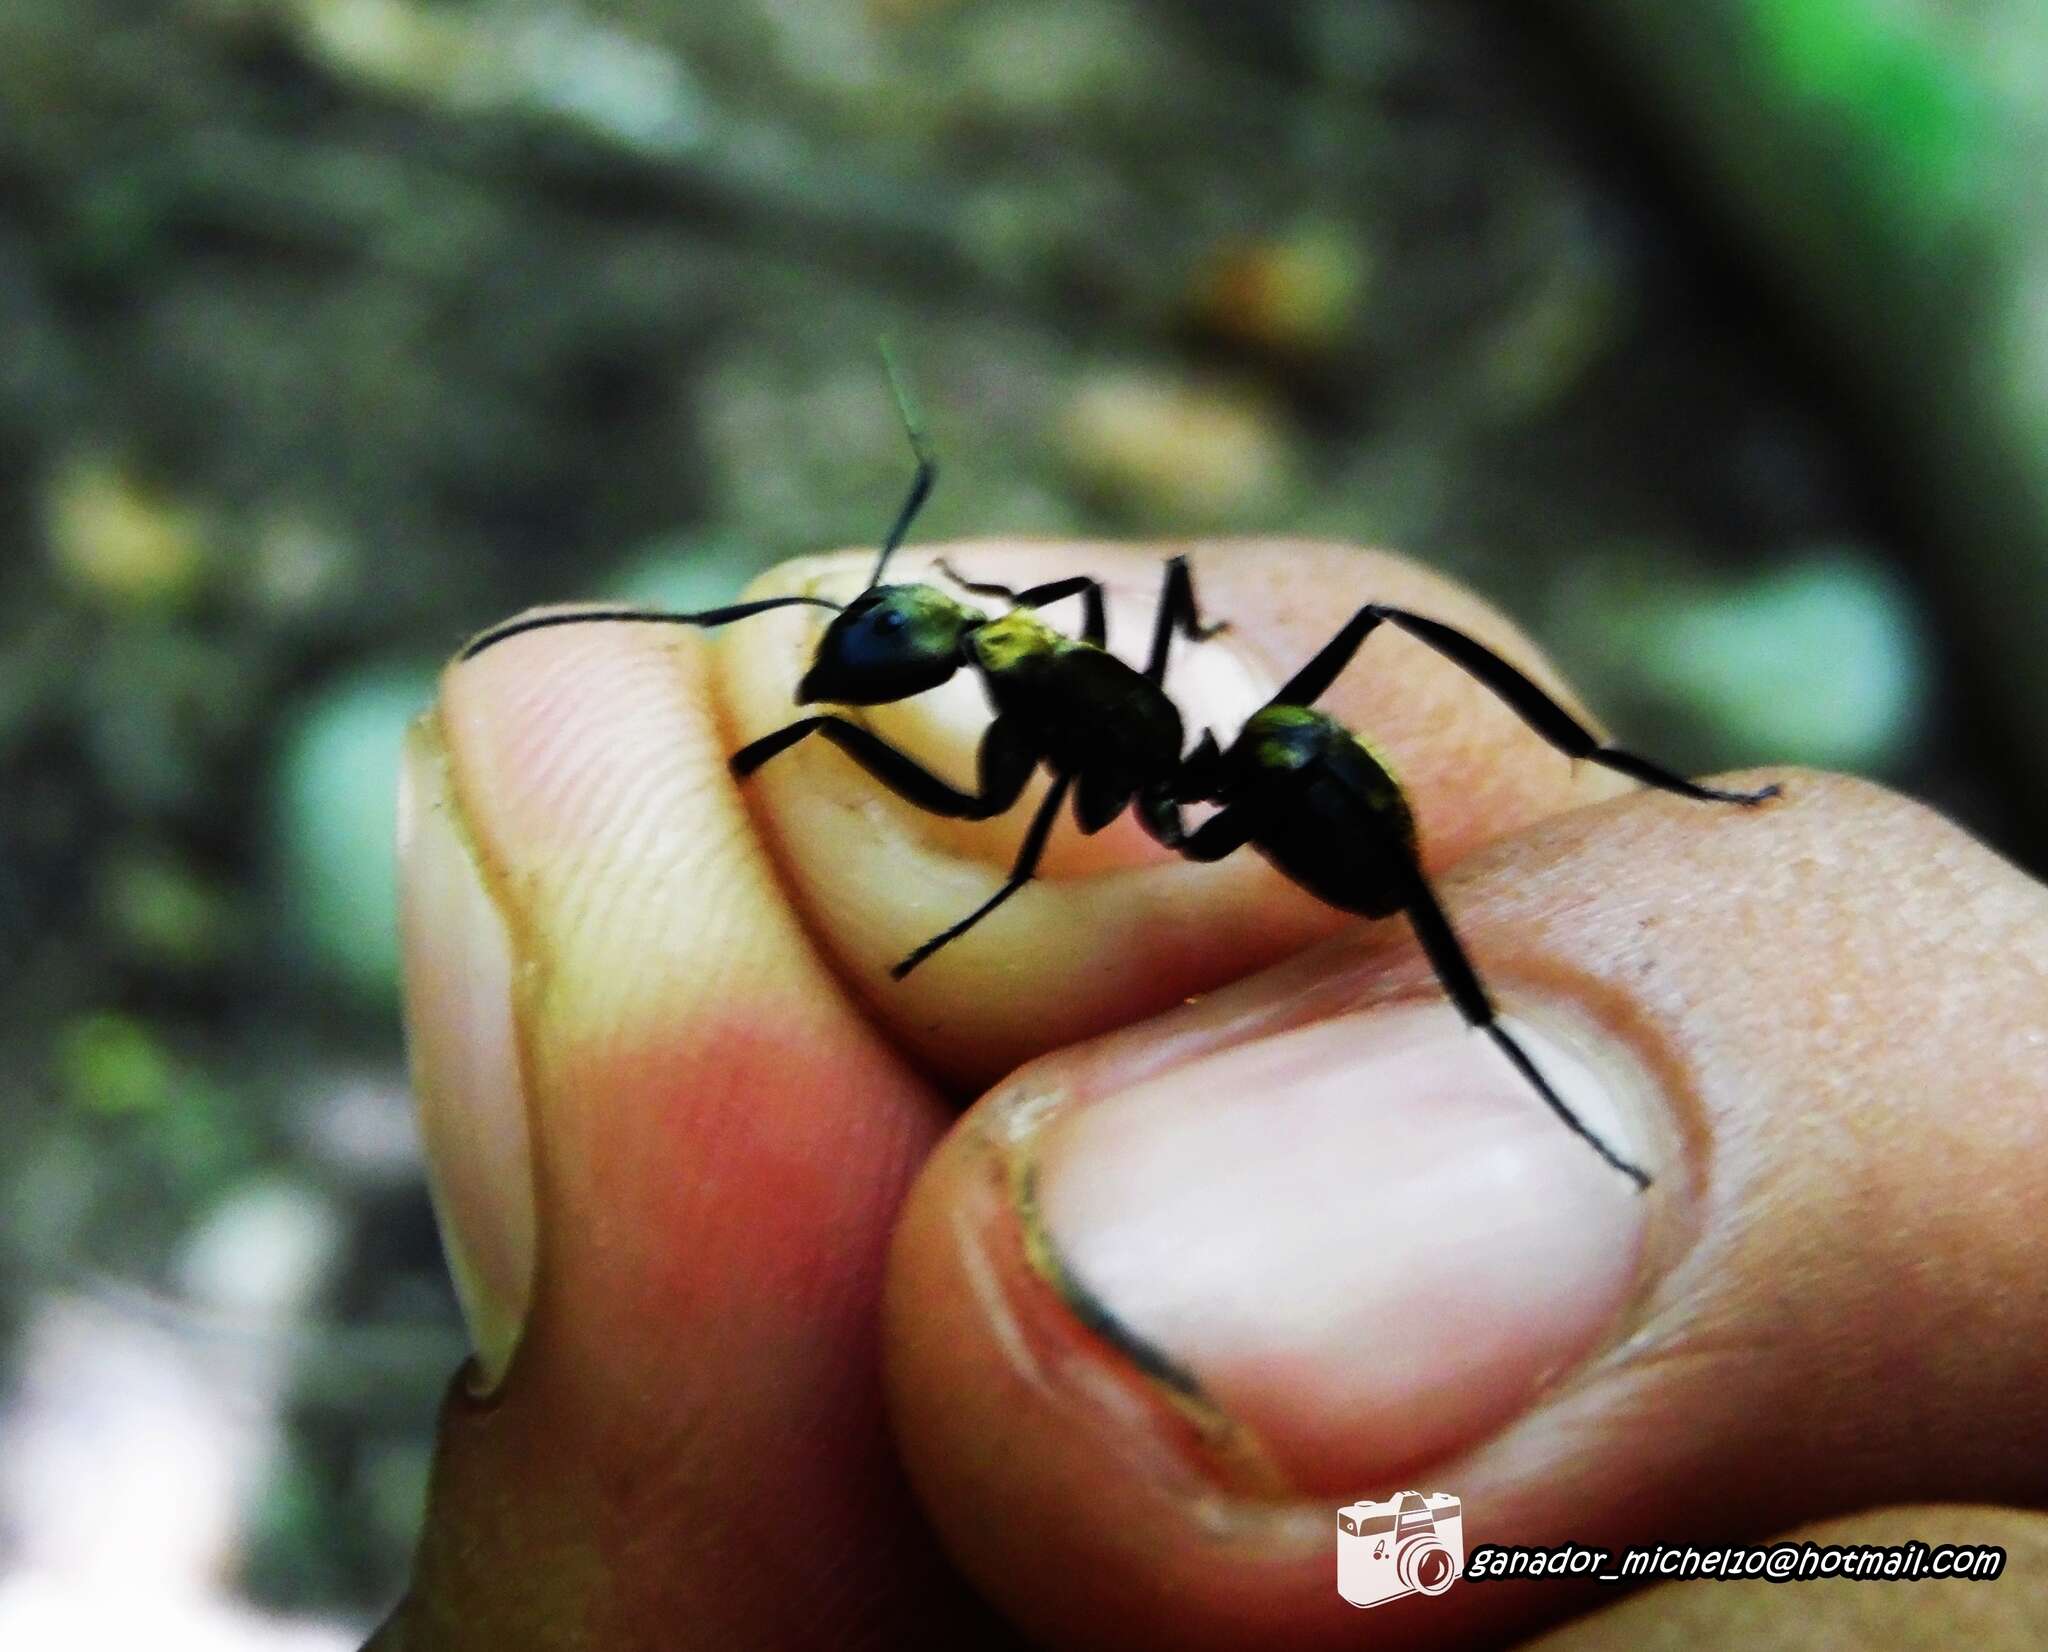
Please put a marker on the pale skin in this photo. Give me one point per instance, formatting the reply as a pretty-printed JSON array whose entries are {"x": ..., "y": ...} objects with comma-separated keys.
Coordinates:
[{"x": 791, "y": 1368}]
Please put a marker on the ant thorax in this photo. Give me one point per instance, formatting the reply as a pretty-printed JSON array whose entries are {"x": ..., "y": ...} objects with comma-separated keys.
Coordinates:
[{"x": 1017, "y": 640}]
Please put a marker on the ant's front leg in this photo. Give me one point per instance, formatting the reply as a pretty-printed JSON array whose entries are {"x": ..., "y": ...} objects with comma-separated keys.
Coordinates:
[
  {"x": 1453, "y": 966},
  {"x": 1094, "y": 615},
  {"x": 1549, "y": 719},
  {"x": 1005, "y": 763}
]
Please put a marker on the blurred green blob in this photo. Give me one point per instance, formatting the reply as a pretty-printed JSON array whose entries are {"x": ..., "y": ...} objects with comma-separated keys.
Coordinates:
[
  {"x": 108, "y": 1063},
  {"x": 296, "y": 1532},
  {"x": 393, "y": 1484},
  {"x": 1820, "y": 663},
  {"x": 165, "y": 912},
  {"x": 335, "y": 801},
  {"x": 1909, "y": 100},
  {"x": 331, "y": 1531},
  {"x": 120, "y": 540},
  {"x": 114, "y": 224},
  {"x": 48, "y": 1193}
]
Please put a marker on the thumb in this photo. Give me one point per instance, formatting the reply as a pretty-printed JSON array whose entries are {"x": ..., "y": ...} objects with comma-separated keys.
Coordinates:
[{"x": 1167, "y": 1301}]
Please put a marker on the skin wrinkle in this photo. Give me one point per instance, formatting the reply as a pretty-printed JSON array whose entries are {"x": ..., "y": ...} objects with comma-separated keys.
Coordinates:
[
  {"x": 766, "y": 843},
  {"x": 637, "y": 853}
]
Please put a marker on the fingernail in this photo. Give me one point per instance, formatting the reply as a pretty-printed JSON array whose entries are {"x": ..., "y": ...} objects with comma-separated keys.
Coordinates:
[
  {"x": 465, "y": 1059},
  {"x": 1367, "y": 1241}
]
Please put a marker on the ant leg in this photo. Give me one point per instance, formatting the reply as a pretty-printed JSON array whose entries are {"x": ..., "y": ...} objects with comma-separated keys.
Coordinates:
[
  {"x": 1454, "y": 969},
  {"x": 1551, "y": 720},
  {"x": 1028, "y": 858},
  {"x": 1313, "y": 680},
  {"x": 1095, "y": 622},
  {"x": 1094, "y": 615},
  {"x": 591, "y": 616},
  {"x": 1217, "y": 838},
  {"x": 981, "y": 588},
  {"x": 1006, "y": 760},
  {"x": 1200, "y": 775},
  {"x": 1177, "y": 608},
  {"x": 1521, "y": 695}
]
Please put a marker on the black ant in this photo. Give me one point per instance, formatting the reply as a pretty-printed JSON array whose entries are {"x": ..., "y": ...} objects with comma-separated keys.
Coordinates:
[
  {"x": 1108, "y": 732},
  {"x": 1296, "y": 785},
  {"x": 1321, "y": 805}
]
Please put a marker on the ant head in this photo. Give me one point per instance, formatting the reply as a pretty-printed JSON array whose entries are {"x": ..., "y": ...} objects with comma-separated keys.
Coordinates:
[{"x": 892, "y": 641}]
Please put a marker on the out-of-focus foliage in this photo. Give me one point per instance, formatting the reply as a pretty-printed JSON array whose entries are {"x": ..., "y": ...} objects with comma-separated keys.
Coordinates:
[{"x": 334, "y": 329}]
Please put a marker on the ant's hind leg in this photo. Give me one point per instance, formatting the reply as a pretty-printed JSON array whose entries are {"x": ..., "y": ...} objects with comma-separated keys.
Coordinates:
[
  {"x": 1516, "y": 690},
  {"x": 1454, "y": 969},
  {"x": 1313, "y": 680},
  {"x": 1551, "y": 720}
]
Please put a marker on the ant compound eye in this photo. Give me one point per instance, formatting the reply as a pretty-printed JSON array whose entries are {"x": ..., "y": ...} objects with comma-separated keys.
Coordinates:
[{"x": 890, "y": 620}]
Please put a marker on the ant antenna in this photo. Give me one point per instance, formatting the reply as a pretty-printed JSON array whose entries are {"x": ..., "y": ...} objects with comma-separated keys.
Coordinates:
[
  {"x": 920, "y": 491},
  {"x": 927, "y": 466},
  {"x": 636, "y": 616}
]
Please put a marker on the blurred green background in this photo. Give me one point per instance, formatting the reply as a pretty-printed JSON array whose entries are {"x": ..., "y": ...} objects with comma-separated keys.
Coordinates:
[{"x": 1711, "y": 341}]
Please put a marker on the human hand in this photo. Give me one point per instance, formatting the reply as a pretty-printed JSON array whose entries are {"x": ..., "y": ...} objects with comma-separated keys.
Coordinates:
[{"x": 696, "y": 1169}]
